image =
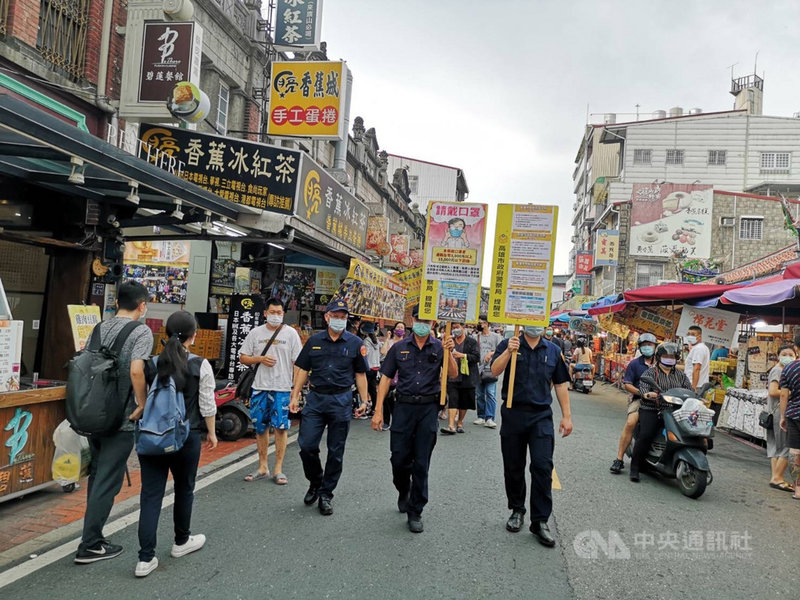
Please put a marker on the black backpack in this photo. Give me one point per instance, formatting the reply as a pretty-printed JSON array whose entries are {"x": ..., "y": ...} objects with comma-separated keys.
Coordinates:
[{"x": 92, "y": 402}]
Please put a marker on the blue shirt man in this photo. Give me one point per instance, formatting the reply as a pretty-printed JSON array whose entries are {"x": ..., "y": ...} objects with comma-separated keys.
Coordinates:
[
  {"x": 332, "y": 361},
  {"x": 528, "y": 425}
]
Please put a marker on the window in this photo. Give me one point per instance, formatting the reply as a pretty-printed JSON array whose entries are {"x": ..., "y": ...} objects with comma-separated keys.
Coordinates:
[
  {"x": 61, "y": 40},
  {"x": 674, "y": 157},
  {"x": 641, "y": 157},
  {"x": 717, "y": 157},
  {"x": 775, "y": 161},
  {"x": 413, "y": 183},
  {"x": 649, "y": 273},
  {"x": 751, "y": 228},
  {"x": 222, "y": 109}
]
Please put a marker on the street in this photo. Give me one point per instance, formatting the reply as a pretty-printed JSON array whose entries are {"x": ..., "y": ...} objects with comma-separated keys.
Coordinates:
[{"x": 734, "y": 542}]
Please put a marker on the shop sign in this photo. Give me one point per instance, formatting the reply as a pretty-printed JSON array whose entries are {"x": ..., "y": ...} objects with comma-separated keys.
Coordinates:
[
  {"x": 378, "y": 235},
  {"x": 82, "y": 319},
  {"x": 524, "y": 253},
  {"x": 412, "y": 280},
  {"x": 247, "y": 173},
  {"x": 246, "y": 313},
  {"x": 327, "y": 282},
  {"x": 607, "y": 323},
  {"x": 583, "y": 326},
  {"x": 298, "y": 23},
  {"x": 161, "y": 267},
  {"x": 671, "y": 219},
  {"x": 370, "y": 292},
  {"x": 583, "y": 265},
  {"x": 454, "y": 244},
  {"x": 606, "y": 248},
  {"x": 399, "y": 255},
  {"x": 10, "y": 355},
  {"x": 659, "y": 321},
  {"x": 306, "y": 99},
  {"x": 167, "y": 55},
  {"x": 327, "y": 205},
  {"x": 719, "y": 326}
]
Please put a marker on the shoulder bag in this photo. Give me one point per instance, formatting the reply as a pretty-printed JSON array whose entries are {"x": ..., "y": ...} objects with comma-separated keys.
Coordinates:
[{"x": 244, "y": 386}]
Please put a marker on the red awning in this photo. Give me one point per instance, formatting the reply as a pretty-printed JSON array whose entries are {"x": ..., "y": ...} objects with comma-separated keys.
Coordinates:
[{"x": 677, "y": 292}]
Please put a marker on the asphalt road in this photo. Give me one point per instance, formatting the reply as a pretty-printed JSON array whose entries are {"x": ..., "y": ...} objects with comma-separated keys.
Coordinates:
[{"x": 263, "y": 542}]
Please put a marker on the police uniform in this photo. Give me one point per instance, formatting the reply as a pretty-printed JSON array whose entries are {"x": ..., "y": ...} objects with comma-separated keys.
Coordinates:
[
  {"x": 333, "y": 365},
  {"x": 414, "y": 417},
  {"x": 528, "y": 425}
]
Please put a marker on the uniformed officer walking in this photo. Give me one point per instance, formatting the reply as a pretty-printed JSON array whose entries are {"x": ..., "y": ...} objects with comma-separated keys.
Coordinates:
[
  {"x": 335, "y": 360},
  {"x": 528, "y": 425},
  {"x": 417, "y": 361}
]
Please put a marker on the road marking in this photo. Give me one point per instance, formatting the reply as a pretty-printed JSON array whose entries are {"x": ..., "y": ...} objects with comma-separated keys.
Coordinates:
[
  {"x": 556, "y": 480},
  {"x": 16, "y": 573}
]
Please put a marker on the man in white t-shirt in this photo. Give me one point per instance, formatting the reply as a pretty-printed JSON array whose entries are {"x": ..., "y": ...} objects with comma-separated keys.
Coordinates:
[
  {"x": 698, "y": 360},
  {"x": 269, "y": 404}
]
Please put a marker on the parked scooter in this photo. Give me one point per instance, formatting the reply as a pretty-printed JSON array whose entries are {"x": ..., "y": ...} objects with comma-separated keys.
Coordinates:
[
  {"x": 233, "y": 416},
  {"x": 582, "y": 380},
  {"x": 679, "y": 452}
]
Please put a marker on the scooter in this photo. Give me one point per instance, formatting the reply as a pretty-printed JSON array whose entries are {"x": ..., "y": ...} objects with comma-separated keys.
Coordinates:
[
  {"x": 582, "y": 380},
  {"x": 233, "y": 416},
  {"x": 675, "y": 453}
]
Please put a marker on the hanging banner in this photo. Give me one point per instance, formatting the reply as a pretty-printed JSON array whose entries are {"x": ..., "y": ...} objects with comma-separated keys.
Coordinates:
[
  {"x": 607, "y": 323},
  {"x": 161, "y": 267},
  {"x": 247, "y": 312},
  {"x": 82, "y": 319},
  {"x": 524, "y": 251},
  {"x": 719, "y": 326},
  {"x": 378, "y": 235},
  {"x": 606, "y": 248},
  {"x": 454, "y": 243},
  {"x": 369, "y": 292},
  {"x": 583, "y": 265},
  {"x": 659, "y": 321},
  {"x": 298, "y": 24},
  {"x": 671, "y": 219},
  {"x": 306, "y": 99},
  {"x": 412, "y": 280}
]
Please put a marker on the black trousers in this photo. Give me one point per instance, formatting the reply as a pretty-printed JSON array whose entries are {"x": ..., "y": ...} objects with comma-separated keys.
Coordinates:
[
  {"x": 155, "y": 469},
  {"x": 650, "y": 423},
  {"x": 321, "y": 411},
  {"x": 372, "y": 386},
  {"x": 388, "y": 405},
  {"x": 522, "y": 433},
  {"x": 106, "y": 472},
  {"x": 412, "y": 439}
]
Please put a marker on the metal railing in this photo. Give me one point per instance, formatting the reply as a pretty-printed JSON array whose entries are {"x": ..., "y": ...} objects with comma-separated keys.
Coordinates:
[{"x": 63, "y": 25}]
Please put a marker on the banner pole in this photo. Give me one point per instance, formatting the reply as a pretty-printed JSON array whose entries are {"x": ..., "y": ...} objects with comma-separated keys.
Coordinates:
[
  {"x": 513, "y": 373},
  {"x": 443, "y": 393}
]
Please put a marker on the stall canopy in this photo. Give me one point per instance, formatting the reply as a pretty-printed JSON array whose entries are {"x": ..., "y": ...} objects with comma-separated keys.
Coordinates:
[{"x": 675, "y": 292}]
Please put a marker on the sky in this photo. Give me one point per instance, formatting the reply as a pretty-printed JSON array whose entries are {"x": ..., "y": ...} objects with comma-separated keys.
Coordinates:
[{"x": 500, "y": 88}]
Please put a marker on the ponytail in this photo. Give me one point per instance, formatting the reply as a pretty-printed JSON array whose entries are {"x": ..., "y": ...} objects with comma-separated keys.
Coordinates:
[{"x": 181, "y": 326}]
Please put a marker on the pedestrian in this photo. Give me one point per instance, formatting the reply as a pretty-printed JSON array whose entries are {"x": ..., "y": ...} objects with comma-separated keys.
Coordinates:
[
  {"x": 417, "y": 362},
  {"x": 646, "y": 343},
  {"x": 335, "y": 360},
  {"x": 194, "y": 377},
  {"x": 397, "y": 333},
  {"x": 777, "y": 444},
  {"x": 273, "y": 348},
  {"x": 790, "y": 413},
  {"x": 486, "y": 390},
  {"x": 697, "y": 361},
  {"x": 527, "y": 426},
  {"x": 666, "y": 376},
  {"x": 110, "y": 452},
  {"x": 549, "y": 335},
  {"x": 373, "y": 357},
  {"x": 461, "y": 388}
]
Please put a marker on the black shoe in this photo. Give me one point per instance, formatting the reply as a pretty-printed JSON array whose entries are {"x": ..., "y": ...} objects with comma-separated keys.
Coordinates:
[
  {"x": 542, "y": 533},
  {"x": 325, "y": 506},
  {"x": 103, "y": 551},
  {"x": 635, "y": 476},
  {"x": 402, "y": 502},
  {"x": 311, "y": 496},
  {"x": 415, "y": 524},
  {"x": 617, "y": 466},
  {"x": 514, "y": 523}
]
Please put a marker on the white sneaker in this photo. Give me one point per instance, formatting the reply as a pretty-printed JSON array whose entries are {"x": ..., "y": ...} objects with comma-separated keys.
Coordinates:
[
  {"x": 479, "y": 421},
  {"x": 143, "y": 569},
  {"x": 490, "y": 424},
  {"x": 195, "y": 542}
]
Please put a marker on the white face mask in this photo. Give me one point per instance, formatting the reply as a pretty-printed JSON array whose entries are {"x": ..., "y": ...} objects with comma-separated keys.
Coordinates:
[
  {"x": 337, "y": 325},
  {"x": 274, "y": 320}
]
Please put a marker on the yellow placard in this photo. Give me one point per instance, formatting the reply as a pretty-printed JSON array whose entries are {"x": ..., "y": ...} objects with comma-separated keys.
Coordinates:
[
  {"x": 524, "y": 252},
  {"x": 305, "y": 99},
  {"x": 451, "y": 256},
  {"x": 412, "y": 279},
  {"x": 82, "y": 319}
]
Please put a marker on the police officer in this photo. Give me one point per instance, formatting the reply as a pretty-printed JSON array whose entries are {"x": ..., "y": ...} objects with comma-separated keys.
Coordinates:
[
  {"x": 335, "y": 359},
  {"x": 528, "y": 425},
  {"x": 417, "y": 361}
]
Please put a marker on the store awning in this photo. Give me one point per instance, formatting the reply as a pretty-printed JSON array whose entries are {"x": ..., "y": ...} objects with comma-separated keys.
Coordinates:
[
  {"x": 675, "y": 292},
  {"x": 36, "y": 148}
]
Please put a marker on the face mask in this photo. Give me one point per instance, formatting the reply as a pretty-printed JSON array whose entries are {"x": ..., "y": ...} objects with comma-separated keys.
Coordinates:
[
  {"x": 668, "y": 362},
  {"x": 421, "y": 329},
  {"x": 274, "y": 320},
  {"x": 399, "y": 332},
  {"x": 785, "y": 360},
  {"x": 647, "y": 351},
  {"x": 457, "y": 333},
  {"x": 456, "y": 232},
  {"x": 338, "y": 324},
  {"x": 691, "y": 340},
  {"x": 534, "y": 331},
  {"x": 548, "y": 332}
]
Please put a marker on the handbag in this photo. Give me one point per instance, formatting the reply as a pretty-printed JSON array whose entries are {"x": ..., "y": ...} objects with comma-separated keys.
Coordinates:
[
  {"x": 765, "y": 419},
  {"x": 244, "y": 386}
]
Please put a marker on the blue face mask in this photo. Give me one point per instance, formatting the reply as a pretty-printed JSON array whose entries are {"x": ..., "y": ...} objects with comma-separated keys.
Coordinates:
[
  {"x": 456, "y": 232},
  {"x": 337, "y": 324},
  {"x": 647, "y": 351},
  {"x": 691, "y": 340},
  {"x": 534, "y": 331},
  {"x": 421, "y": 329}
]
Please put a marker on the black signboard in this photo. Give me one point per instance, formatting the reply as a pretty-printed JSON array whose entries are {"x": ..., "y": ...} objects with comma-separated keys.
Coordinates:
[
  {"x": 247, "y": 312},
  {"x": 325, "y": 203},
  {"x": 248, "y": 173},
  {"x": 166, "y": 59}
]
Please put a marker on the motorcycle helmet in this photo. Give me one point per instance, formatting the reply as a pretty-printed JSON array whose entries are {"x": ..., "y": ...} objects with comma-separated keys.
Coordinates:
[
  {"x": 667, "y": 349},
  {"x": 646, "y": 337}
]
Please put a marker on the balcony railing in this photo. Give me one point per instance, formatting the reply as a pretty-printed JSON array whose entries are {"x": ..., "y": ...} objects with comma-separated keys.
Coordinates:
[{"x": 63, "y": 25}]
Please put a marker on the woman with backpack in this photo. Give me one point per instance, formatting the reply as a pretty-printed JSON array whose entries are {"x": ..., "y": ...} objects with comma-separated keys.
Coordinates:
[{"x": 194, "y": 377}]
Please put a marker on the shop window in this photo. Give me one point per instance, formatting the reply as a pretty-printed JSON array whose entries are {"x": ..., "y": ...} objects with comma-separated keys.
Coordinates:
[
  {"x": 222, "y": 109},
  {"x": 642, "y": 156},
  {"x": 775, "y": 162},
  {"x": 717, "y": 157},
  {"x": 63, "y": 27},
  {"x": 674, "y": 157},
  {"x": 751, "y": 228},
  {"x": 649, "y": 273}
]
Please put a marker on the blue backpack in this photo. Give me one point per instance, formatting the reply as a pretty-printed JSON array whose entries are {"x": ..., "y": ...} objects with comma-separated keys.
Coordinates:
[{"x": 163, "y": 428}]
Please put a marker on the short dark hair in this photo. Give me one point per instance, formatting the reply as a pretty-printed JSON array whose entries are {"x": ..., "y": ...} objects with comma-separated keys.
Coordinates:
[
  {"x": 483, "y": 318},
  {"x": 273, "y": 301},
  {"x": 787, "y": 347},
  {"x": 696, "y": 328},
  {"x": 797, "y": 340},
  {"x": 131, "y": 294}
]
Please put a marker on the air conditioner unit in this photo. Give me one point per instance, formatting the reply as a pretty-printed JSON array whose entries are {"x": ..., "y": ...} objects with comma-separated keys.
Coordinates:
[{"x": 727, "y": 221}]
